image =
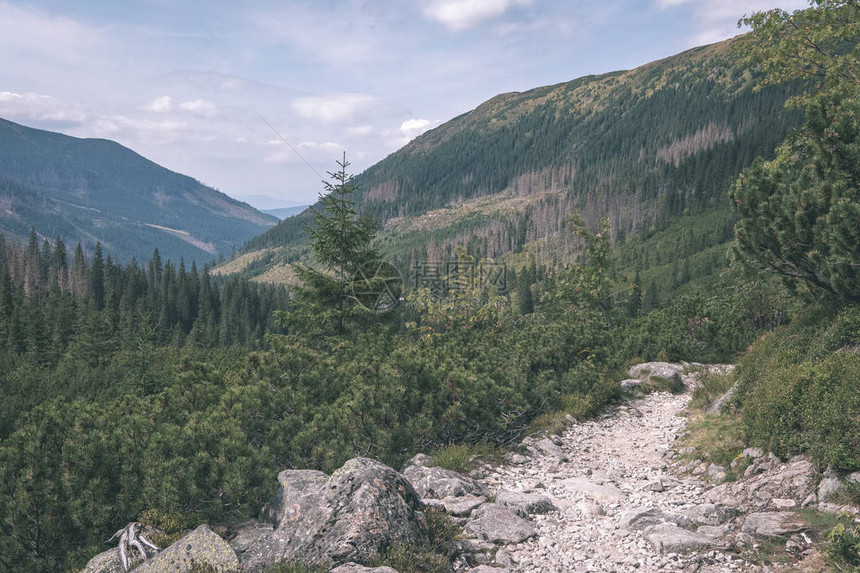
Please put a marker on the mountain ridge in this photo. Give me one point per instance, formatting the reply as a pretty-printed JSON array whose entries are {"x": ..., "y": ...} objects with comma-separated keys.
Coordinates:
[
  {"x": 643, "y": 147},
  {"x": 97, "y": 190}
]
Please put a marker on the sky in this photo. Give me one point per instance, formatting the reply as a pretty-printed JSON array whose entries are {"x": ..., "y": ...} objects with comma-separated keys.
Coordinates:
[{"x": 260, "y": 98}]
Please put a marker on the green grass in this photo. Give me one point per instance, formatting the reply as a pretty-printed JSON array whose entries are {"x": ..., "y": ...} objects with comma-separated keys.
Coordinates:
[
  {"x": 712, "y": 386},
  {"x": 718, "y": 440},
  {"x": 461, "y": 457}
]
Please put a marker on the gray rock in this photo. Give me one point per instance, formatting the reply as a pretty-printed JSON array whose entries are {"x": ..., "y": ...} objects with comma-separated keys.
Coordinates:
[
  {"x": 351, "y": 516},
  {"x": 439, "y": 483},
  {"x": 717, "y": 405},
  {"x": 642, "y": 518},
  {"x": 718, "y": 532},
  {"x": 754, "y": 453},
  {"x": 297, "y": 493},
  {"x": 107, "y": 562},
  {"x": 201, "y": 547},
  {"x": 590, "y": 509},
  {"x": 524, "y": 504},
  {"x": 419, "y": 460},
  {"x": 356, "y": 568},
  {"x": 598, "y": 492},
  {"x": 463, "y": 506},
  {"x": 503, "y": 558},
  {"x": 631, "y": 383},
  {"x": 499, "y": 525},
  {"x": 249, "y": 533},
  {"x": 716, "y": 474},
  {"x": 829, "y": 486},
  {"x": 544, "y": 447},
  {"x": 471, "y": 552},
  {"x": 488, "y": 569},
  {"x": 649, "y": 371},
  {"x": 669, "y": 538},
  {"x": 794, "y": 480},
  {"x": 772, "y": 524},
  {"x": 655, "y": 485},
  {"x": 661, "y": 369},
  {"x": 783, "y": 503},
  {"x": 710, "y": 514}
]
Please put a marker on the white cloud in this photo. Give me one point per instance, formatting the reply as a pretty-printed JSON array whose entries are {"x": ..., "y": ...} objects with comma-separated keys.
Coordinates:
[
  {"x": 408, "y": 130},
  {"x": 41, "y": 107},
  {"x": 415, "y": 127},
  {"x": 459, "y": 15},
  {"x": 29, "y": 32},
  {"x": 352, "y": 36},
  {"x": 328, "y": 145},
  {"x": 715, "y": 20},
  {"x": 336, "y": 107},
  {"x": 134, "y": 132},
  {"x": 160, "y": 104},
  {"x": 360, "y": 130},
  {"x": 200, "y": 107}
]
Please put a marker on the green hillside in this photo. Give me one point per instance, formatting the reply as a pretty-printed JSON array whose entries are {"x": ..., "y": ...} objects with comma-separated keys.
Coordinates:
[
  {"x": 642, "y": 147},
  {"x": 95, "y": 190}
]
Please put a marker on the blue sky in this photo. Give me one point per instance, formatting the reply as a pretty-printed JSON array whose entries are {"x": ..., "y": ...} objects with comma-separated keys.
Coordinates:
[{"x": 185, "y": 83}]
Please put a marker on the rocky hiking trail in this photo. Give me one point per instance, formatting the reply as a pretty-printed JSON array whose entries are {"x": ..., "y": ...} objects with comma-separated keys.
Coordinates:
[{"x": 609, "y": 495}]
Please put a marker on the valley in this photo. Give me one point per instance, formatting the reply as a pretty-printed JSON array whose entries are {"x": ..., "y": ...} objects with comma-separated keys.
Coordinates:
[{"x": 605, "y": 324}]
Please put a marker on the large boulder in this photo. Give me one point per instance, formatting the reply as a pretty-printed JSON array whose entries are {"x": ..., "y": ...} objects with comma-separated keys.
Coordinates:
[
  {"x": 655, "y": 372},
  {"x": 106, "y": 562},
  {"x": 353, "y": 515},
  {"x": 356, "y": 568},
  {"x": 773, "y": 524},
  {"x": 524, "y": 504},
  {"x": 440, "y": 483},
  {"x": 499, "y": 525},
  {"x": 200, "y": 547},
  {"x": 669, "y": 538},
  {"x": 643, "y": 517},
  {"x": 793, "y": 480}
]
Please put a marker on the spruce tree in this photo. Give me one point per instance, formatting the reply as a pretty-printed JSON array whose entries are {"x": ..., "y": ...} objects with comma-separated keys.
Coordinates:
[{"x": 340, "y": 240}]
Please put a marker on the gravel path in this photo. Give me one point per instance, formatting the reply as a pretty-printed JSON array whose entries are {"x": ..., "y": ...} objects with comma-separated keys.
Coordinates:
[{"x": 600, "y": 471}]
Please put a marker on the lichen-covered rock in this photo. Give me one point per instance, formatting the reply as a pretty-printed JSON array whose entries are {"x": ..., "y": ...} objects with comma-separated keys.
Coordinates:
[
  {"x": 641, "y": 518},
  {"x": 524, "y": 504},
  {"x": 249, "y": 533},
  {"x": 652, "y": 371},
  {"x": 669, "y": 538},
  {"x": 499, "y": 525},
  {"x": 352, "y": 515},
  {"x": 773, "y": 524},
  {"x": 297, "y": 493},
  {"x": 107, "y": 562},
  {"x": 462, "y": 506},
  {"x": 793, "y": 480},
  {"x": 439, "y": 483},
  {"x": 356, "y": 568},
  {"x": 538, "y": 446},
  {"x": 202, "y": 547}
]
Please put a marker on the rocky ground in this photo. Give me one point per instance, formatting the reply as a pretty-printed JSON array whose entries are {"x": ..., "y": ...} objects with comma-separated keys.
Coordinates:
[
  {"x": 625, "y": 499},
  {"x": 611, "y": 495}
]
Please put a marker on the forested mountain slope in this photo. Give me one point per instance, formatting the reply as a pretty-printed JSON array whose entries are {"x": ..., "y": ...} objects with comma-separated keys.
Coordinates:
[
  {"x": 643, "y": 147},
  {"x": 95, "y": 190}
]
